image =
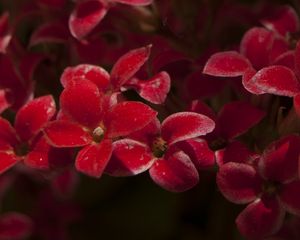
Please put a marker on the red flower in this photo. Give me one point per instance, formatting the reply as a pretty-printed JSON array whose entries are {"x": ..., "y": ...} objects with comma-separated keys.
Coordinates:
[
  {"x": 170, "y": 151},
  {"x": 89, "y": 13},
  {"x": 271, "y": 187},
  {"x": 121, "y": 77},
  {"x": 25, "y": 142},
  {"x": 94, "y": 125}
]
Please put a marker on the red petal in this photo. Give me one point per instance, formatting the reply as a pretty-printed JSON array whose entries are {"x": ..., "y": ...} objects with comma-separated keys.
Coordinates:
[
  {"x": 256, "y": 45},
  {"x": 297, "y": 104},
  {"x": 134, "y": 2},
  {"x": 260, "y": 218},
  {"x": 81, "y": 100},
  {"x": 235, "y": 152},
  {"x": 7, "y": 133},
  {"x": 237, "y": 118},
  {"x": 44, "y": 157},
  {"x": 200, "y": 107},
  {"x": 54, "y": 32},
  {"x": 33, "y": 116},
  {"x": 290, "y": 197},
  {"x": 279, "y": 161},
  {"x": 284, "y": 20},
  {"x": 175, "y": 174},
  {"x": 129, "y": 158},
  {"x": 8, "y": 160},
  {"x": 66, "y": 134},
  {"x": 198, "y": 151},
  {"x": 128, "y": 65},
  {"x": 155, "y": 90},
  {"x": 226, "y": 64},
  {"x": 5, "y": 34},
  {"x": 128, "y": 117},
  {"x": 93, "y": 73},
  {"x": 147, "y": 133},
  {"x": 239, "y": 182},
  {"x": 286, "y": 59},
  {"x": 248, "y": 84},
  {"x": 185, "y": 125},
  {"x": 278, "y": 80},
  {"x": 280, "y": 45},
  {"x": 93, "y": 159},
  {"x": 15, "y": 226},
  {"x": 85, "y": 17}
]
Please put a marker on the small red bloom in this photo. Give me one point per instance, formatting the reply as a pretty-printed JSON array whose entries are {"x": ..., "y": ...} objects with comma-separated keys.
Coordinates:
[{"x": 272, "y": 185}]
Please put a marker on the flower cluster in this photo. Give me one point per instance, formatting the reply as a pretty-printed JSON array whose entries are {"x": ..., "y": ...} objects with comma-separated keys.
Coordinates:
[{"x": 124, "y": 87}]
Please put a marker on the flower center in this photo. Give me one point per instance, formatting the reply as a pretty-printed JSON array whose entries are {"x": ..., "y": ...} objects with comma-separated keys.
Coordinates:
[
  {"x": 22, "y": 149},
  {"x": 159, "y": 147},
  {"x": 270, "y": 188},
  {"x": 218, "y": 143},
  {"x": 98, "y": 134}
]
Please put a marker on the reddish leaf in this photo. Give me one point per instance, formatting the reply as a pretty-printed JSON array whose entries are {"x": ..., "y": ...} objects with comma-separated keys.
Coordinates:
[
  {"x": 185, "y": 125},
  {"x": 81, "y": 100},
  {"x": 226, "y": 64},
  {"x": 15, "y": 226},
  {"x": 128, "y": 65},
  {"x": 85, "y": 17},
  {"x": 128, "y": 117},
  {"x": 33, "y": 116},
  {"x": 95, "y": 74},
  {"x": 175, "y": 174},
  {"x": 278, "y": 80},
  {"x": 66, "y": 134},
  {"x": 233, "y": 126},
  {"x": 155, "y": 90},
  {"x": 284, "y": 20},
  {"x": 92, "y": 159},
  {"x": 290, "y": 197},
  {"x": 129, "y": 158},
  {"x": 256, "y": 46},
  {"x": 260, "y": 218},
  {"x": 134, "y": 2},
  {"x": 239, "y": 182}
]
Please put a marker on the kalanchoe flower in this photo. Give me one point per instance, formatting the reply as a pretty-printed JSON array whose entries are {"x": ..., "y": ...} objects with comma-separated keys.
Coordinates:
[
  {"x": 270, "y": 186},
  {"x": 94, "y": 125},
  {"x": 24, "y": 141},
  {"x": 121, "y": 77},
  {"x": 89, "y": 13},
  {"x": 163, "y": 151},
  {"x": 228, "y": 125}
]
